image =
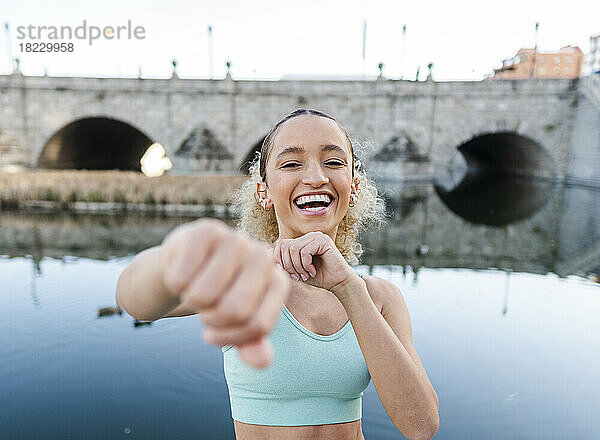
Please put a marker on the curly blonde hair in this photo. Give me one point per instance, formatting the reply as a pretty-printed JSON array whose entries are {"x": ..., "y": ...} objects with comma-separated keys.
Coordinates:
[{"x": 261, "y": 224}]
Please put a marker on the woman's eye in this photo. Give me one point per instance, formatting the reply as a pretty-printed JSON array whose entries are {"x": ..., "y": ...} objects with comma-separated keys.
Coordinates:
[
  {"x": 335, "y": 163},
  {"x": 290, "y": 165}
]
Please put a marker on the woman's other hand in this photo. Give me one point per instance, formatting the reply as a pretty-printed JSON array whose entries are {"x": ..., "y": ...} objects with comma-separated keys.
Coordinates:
[
  {"x": 230, "y": 281},
  {"x": 315, "y": 259}
]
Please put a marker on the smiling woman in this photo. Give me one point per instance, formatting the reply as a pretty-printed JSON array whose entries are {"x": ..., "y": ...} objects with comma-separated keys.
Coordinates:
[
  {"x": 297, "y": 354},
  {"x": 366, "y": 211},
  {"x": 308, "y": 197}
]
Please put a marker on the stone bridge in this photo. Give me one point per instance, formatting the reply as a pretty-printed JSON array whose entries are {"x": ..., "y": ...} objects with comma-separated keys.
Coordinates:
[{"x": 548, "y": 128}]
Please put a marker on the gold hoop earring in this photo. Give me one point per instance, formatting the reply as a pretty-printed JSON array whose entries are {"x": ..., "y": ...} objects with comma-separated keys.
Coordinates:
[
  {"x": 352, "y": 200},
  {"x": 261, "y": 202}
]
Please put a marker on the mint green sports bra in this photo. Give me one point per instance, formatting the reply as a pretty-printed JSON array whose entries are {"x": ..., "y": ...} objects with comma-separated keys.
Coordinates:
[{"x": 313, "y": 380}]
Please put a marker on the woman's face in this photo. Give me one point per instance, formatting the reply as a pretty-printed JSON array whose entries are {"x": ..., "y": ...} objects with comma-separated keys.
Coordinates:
[{"x": 309, "y": 176}]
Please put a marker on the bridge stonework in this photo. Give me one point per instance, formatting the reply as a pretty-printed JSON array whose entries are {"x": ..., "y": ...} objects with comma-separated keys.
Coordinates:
[{"x": 560, "y": 116}]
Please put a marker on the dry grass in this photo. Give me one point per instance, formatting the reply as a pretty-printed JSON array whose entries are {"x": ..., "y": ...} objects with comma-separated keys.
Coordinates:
[{"x": 66, "y": 186}]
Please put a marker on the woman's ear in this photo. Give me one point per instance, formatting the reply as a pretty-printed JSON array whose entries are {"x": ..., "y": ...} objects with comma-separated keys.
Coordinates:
[
  {"x": 263, "y": 195},
  {"x": 353, "y": 192},
  {"x": 355, "y": 189}
]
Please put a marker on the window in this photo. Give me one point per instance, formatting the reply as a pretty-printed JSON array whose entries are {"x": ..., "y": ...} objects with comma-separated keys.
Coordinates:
[
  {"x": 570, "y": 60},
  {"x": 556, "y": 60},
  {"x": 557, "y": 70},
  {"x": 542, "y": 70},
  {"x": 567, "y": 70},
  {"x": 542, "y": 60}
]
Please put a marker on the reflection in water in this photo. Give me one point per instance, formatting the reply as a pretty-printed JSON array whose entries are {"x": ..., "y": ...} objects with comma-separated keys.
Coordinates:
[
  {"x": 64, "y": 235},
  {"x": 500, "y": 372},
  {"x": 496, "y": 200},
  {"x": 562, "y": 235},
  {"x": 109, "y": 311},
  {"x": 506, "y": 289}
]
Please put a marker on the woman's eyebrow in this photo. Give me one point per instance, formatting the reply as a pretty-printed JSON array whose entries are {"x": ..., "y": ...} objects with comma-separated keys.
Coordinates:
[
  {"x": 332, "y": 147},
  {"x": 290, "y": 150},
  {"x": 324, "y": 147}
]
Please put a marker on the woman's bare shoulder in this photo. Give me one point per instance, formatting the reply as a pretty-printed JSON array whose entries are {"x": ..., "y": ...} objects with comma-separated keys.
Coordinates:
[{"x": 379, "y": 289}]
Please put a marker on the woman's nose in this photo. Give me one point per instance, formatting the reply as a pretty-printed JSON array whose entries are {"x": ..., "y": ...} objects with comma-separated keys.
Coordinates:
[{"x": 314, "y": 176}]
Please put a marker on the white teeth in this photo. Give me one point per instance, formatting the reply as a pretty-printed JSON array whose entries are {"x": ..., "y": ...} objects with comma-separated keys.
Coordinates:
[{"x": 313, "y": 198}]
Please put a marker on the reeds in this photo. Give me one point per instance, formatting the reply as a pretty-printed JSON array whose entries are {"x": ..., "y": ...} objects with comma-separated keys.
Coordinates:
[{"x": 65, "y": 187}]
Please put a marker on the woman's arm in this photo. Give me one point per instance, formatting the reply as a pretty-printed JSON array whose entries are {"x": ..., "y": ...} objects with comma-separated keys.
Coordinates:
[
  {"x": 224, "y": 276},
  {"x": 385, "y": 337},
  {"x": 400, "y": 381},
  {"x": 141, "y": 291}
]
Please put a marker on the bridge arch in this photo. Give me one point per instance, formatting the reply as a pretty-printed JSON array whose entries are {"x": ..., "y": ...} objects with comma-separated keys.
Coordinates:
[
  {"x": 489, "y": 179},
  {"x": 95, "y": 143},
  {"x": 507, "y": 153}
]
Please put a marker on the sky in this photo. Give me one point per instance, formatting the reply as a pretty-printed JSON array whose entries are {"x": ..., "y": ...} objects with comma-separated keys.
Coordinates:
[{"x": 270, "y": 39}]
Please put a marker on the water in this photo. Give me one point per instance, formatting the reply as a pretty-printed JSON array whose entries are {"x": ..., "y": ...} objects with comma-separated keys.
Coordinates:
[{"x": 504, "y": 318}]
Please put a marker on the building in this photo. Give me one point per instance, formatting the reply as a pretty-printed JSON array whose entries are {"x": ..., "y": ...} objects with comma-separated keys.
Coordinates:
[
  {"x": 592, "y": 59},
  {"x": 529, "y": 63}
]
